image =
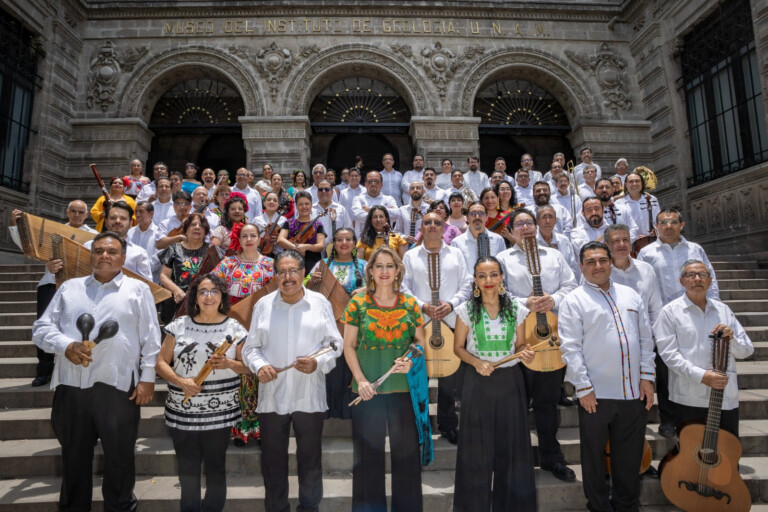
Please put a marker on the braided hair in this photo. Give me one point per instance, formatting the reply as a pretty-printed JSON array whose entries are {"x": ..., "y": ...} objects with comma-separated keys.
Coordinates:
[
  {"x": 507, "y": 309},
  {"x": 359, "y": 279}
]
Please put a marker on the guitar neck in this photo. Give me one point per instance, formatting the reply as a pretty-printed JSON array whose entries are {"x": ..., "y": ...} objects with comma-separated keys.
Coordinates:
[
  {"x": 435, "y": 297},
  {"x": 712, "y": 427},
  {"x": 541, "y": 318}
]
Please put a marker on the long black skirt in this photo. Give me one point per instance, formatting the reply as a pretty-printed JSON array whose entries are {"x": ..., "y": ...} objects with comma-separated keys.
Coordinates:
[{"x": 338, "y": 389}]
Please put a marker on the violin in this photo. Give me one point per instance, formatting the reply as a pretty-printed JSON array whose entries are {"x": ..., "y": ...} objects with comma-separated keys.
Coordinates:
[
  {"x": 178, "y": 231},
  {"x": 308, "y": 231},
  {"x": 267, "y": 245},
  {"x": 499, "y": 225}
]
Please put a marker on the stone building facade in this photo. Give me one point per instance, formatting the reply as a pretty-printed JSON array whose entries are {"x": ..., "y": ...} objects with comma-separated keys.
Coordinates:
[{"x": 114, "y": 77}]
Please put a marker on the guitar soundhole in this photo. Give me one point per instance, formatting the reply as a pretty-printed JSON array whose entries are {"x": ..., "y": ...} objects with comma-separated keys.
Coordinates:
[
  {"x": 436, "y": 342},
  {"x": 543, "y": 331},
  {"x": 707, "y": 457}
]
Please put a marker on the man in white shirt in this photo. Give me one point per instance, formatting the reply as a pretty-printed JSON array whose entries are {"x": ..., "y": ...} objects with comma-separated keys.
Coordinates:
[
  {"x": 586, "y": 159},
  {"x": 118, "y": 221},
  {"x": 476, "y": 179},
  {"x": 100, "y": 401},
  {"x": 373, "y": 196},
  {"x": 562, "y": 196},
  {"x": 344, "y": 176},
  {"x": 182, "y": 202},
  {"x": 541, "y": 197},
  {"x": 337, "y": 216},
  {"x": 318, "y": 174},
  {"x": 557, "y": 281},
  {"x": 612, "y": 213},
  {"x": 500, "y": 165},
  {"x": 589, "y": 180},
  {"x": 286, "y": 325},
  {"x": 163, "y": 203},
  {"x": 208, "y": 177},
  {"x": 144, "y": 234},
  {"x": 353, "y": 190},
  {"x": 444, "y": 178},
  {"x": 148, "y": 191},
  {"x": 621, "y": 169},
  {"x": 391, "y": 179},
  {"x": 455, "y": 288},
  {"x": 593, "y": 229},
  {"x": 526, "y": 162},
  {"x": 546, "y": 220},
  {"x": 608, "y": 348},
  {"x": 523, "y": 189},
  {"x": 457, "y": 183},
  {"x": 682, "y": 335},
  {"x": 431, "y": 191},
  {"x": 254, "y": 198},
  {"x": 499, "y": 176},
  {"x": 555, "y": 170},
  {"x": 412, "y": 213},
  {"x": 467, "y": 242},
  {"x": 76, "y": 212},
  {"x": 415, "y": 174},
  {"x": 642, "y": 206}
]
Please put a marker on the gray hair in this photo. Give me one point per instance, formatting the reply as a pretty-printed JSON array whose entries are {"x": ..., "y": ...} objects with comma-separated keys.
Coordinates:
[
  {"x": 290, "y": 253},
  {"x": 690, "y": 262},
  {"x": 541, "y": 209},
  {"x": 621, "y": 160},
  {"x": 613, "y": 228}
]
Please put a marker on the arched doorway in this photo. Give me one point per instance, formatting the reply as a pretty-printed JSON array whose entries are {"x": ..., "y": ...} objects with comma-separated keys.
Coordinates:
[
  {"x": 196, "y": 120},
  {"x": 520, "y": 117},
  {"x": 363, "y": 117}
]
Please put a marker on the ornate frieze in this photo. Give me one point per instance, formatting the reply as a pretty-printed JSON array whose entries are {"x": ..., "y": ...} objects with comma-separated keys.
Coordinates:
[
  {"x": 610, "y": 71},
  {"x": 105, "y": 69},
  {"x": 440, "y": 64},
  {"x": 273, "y": 62}
]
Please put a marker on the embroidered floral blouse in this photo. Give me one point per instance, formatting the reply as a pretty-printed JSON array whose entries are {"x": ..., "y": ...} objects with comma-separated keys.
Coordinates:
[
  {"x": 244, "y": 277},
  {"x": 492, "y": 339},
  {"x": 184, "y": 263}
]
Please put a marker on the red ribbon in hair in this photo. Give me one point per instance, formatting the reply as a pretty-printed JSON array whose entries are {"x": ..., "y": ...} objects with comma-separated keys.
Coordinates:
[
  {"x": 234, "y": 236},
  {"x": 126, "y": 182},
  {"x": 238, "y": 195}
]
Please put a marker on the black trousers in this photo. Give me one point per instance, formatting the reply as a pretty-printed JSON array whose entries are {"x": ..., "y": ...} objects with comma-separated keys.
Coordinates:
[
  {"x": 80, "y": 417},
  {"x": 275, "y": 432},
  {"x": 623, "y": 422},
  {"x": 448, "y": 391},
  {"x": 544, "y": 389},
  {"x": 45, "y": 294},
  {"x": 729, "y": 420},
  {"x": 494, "y": 464},
  {"x": 371, "y": 420},
  {"x": 666, "y": 407},
  {"x": 207, "y": 448}
]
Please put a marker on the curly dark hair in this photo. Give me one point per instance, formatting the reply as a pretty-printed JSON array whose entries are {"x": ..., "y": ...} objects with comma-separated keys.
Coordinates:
[
  {"x": 225, "y": 216},
  {"x": 368, "y": 235},
  {"x": 512, "y": 199},
  {"x": 507, "y": 306},
  {"x": 193, "y": 308}
]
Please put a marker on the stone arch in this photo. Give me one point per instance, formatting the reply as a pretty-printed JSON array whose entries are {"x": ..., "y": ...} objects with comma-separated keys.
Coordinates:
[
  {"x": 148, "y": 82},
  {"x": 354, "y": 59},
  {"x": 561, "y": 79}
]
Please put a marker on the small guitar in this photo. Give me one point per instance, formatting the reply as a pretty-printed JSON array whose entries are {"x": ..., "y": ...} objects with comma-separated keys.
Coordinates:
[
  {"x": 329, "y": 238},
  {"x": 540, "y": 326},
  {"x": 438, "y": 353},
  {"x": 415, "y": 214},
  {"x": 645, "y": 240},
  {"x": 702, "y": 472}
]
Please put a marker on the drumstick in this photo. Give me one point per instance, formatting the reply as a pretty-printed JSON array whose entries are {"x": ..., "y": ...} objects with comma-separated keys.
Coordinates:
[{"x": 518, "y": 355}]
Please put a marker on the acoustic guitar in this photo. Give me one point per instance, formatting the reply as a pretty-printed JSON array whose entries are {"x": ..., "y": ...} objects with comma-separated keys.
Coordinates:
[
  {"x": 438, "y": 353},
  {"x": 645, "y": 240},
  {"x": 540, "y": 326},
  {"x": 702, "y": 472},
  {"x": 645, "y": 462}
]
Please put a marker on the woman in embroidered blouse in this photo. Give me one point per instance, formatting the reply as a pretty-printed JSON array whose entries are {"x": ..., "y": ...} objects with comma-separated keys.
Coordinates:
[
  {"x": 312, "y": 249},
  {"x": 376, "y": 231},
  {"x": 449, "y": 230},
  {"x": 244, "y": 274},
  {"x": 181, "y": 261},
  {"x": 266, "y": 221},
  {"x": 494, "y": 438},
  {"x": 135, "y": 181},
  {"x": 200, "y": 429},
  {"x": 287, "y": 207},
  {"x": 457, "y": 217},
  {"x": 381, "y": 323},
  {"x": 234, "y": 211}
]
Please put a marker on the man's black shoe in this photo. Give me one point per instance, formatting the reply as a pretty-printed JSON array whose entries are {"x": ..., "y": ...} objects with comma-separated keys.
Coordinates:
[
  {"x": 565, "y": 401},
  {"x": 41, "y": 380},
  {"x": 561, "y": 471},
  {"x": 667, "y": 430},
  {"x": 451, "y": 435},
  {"x": 651, "y": 472}
]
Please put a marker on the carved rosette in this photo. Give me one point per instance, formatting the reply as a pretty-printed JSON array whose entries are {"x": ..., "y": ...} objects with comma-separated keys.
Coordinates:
[
  {"x": 440, "y": 64},
  {"x": 107, "y": 63},
  {"x": 273, "y": 62},
  {"x": 610, "y": 71}
]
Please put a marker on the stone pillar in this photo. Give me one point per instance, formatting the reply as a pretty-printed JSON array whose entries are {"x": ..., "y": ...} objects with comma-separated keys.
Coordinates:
[
  {"x": 282, "y": 142},
  {"x": 445, "y": 137}
]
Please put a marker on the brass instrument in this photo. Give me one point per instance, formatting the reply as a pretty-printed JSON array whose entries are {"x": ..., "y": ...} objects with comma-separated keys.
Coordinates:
[
  {"x": 649, "y": 177},
  {"x": 570, "y": 169},
  {"x": 469, "y": 195}
]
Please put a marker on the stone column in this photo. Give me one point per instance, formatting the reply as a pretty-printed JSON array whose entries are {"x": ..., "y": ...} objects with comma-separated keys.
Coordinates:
[
  {"x": 282, "y": 142},
  {"x": 612, "y": 140},
  {"x": 445, "y": 137}
]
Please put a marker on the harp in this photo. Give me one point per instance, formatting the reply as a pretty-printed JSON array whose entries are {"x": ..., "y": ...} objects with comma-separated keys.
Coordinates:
[
  {"x": 330, "y": 288},
  {"x": 45, "y": 240}
]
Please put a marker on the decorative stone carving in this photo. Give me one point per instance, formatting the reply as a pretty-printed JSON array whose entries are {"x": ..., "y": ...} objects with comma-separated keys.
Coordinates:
[
  {"x": 440, "y": 64},
  {"x": 106, "y": 65},
  {"x": 610, "y": 71},
  {"x": 273, "y": 62}
]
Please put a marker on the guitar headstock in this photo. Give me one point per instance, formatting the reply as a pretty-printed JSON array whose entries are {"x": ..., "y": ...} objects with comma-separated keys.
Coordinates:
[
  {"x": 415, "y": 214},
  {"x": 332, "y": 214},
  {"x": 720, "y": 350},
  {"x": 433, "y": 270},
  {"x": 531, "y": 249}
]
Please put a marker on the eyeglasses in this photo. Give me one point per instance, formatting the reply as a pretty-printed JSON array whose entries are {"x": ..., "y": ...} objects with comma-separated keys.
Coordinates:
[
  {"x": 288, "y": 272},
  {"x": 693, "y": 275},
  {"x": 431, "y": 222},
  {"x": 208, "y": 293},
  {"x": 477, "y": 214},
  {"x": 324, "y": 189},
  {"x": 672, "y": 222},
  {"x": 524, "y": 224}
]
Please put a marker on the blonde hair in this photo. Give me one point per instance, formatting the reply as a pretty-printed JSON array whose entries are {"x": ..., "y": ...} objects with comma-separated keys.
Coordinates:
[{"x": 388, "y": 251}]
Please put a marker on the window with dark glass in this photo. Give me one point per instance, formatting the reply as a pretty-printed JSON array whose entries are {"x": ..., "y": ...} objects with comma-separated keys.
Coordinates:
[
  {"x": 18, "y": 79},
  {"x": 723, "y": 95}
]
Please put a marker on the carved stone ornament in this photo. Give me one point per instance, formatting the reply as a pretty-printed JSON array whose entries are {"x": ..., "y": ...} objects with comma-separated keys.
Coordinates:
[
  {"x": 440, "y": 64},
  {"x": 106, "y": 65},
  {"x": 273, "y": 62},
  {"x": 610, "y": 71}
]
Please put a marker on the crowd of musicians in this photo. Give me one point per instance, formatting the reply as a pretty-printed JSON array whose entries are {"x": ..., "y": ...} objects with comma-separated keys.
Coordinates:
[{"x": 476, "y": 257}]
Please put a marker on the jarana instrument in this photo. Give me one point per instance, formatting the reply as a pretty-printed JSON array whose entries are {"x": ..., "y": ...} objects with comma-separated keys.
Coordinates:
[
  {"x": 702, "y": 472},
  {"x": 540, "y": 326},
  {"x": 439, "y": 356},
  {"x": 207, "y": 368},
  {"x": 483, "y": 246},
  {"x": 646, "y": 240},
  {"x": 332, "y": 215}
]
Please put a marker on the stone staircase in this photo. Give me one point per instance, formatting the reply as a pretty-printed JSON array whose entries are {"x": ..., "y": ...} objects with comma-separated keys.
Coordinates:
[{"x": 30, "y": 465}]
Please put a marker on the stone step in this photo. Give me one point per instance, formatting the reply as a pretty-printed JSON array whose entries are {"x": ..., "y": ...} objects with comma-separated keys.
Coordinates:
[
  {"x": 748, "y": 306},
  {"x": 752, "y": 374},
  {"x": 17, "y": 349},
  {"x": 155, "y": 455},
  {"x": 16, "y": 332},
  {"x": 733, "y": 273},
  {"x": 19, "y": 318},
  {"x": 734, "y": 265},
  {"x": 752, "y": 319},
  {"x": 13, "y": 367},
  {"x": 744, "y": 284},
  {"x": 761, "y": 351},
  {"x": 739, "y": 294},
  {"x": 18, "y": 306},
  {"x": 21, "y": 296},
  {"x": 14, "y": 286},
  {"x": 731, "y": 257},
  {"x": 759, "y": 333},
  {"x": 246, "y": 492},
  {"x": 22, "y": 276}
]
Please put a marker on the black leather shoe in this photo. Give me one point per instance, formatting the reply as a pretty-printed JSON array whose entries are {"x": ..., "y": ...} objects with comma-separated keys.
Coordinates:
[
  {"x": 651, "y": 472},
  {"x": 667, "y": 430},
  {"x": 561, "y": 471},
  {"x": 41, "y": 380},
  {"x": 565, "y": 401},
  {"x": 451, "y": 435}
]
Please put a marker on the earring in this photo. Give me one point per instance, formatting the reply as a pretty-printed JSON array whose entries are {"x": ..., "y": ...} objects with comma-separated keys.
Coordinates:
[
  {"x": 197, "y": 309},
  {"x": 372, "y": 287},
  {"x": 502, "y": 290},
  {"x": 354, "y": 252},
  {"x": 476, "y": 291}
]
